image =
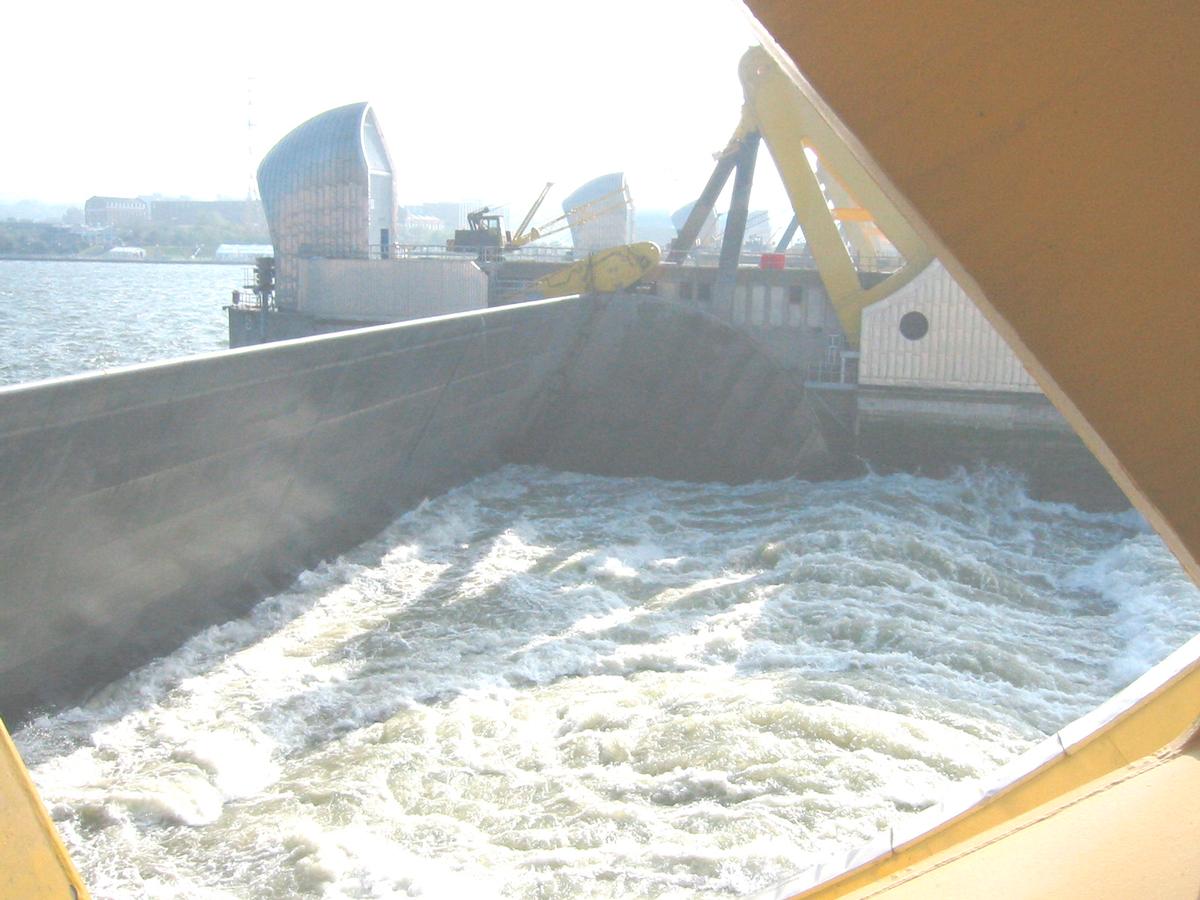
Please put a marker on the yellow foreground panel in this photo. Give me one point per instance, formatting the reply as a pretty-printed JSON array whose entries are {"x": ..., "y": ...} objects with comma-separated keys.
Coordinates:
[
  {"x": 1135, "y": 725},
  {"x": 33, "y": 860},
  {"x": 1131, "y": 835}
]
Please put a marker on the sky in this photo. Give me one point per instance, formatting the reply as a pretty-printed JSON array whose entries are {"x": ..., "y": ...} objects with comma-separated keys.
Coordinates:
[{"x": 477, "y": 101}]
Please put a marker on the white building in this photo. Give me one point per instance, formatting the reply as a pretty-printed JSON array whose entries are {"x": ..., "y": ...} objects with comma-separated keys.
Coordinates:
[{"x": 246, "y": 253}]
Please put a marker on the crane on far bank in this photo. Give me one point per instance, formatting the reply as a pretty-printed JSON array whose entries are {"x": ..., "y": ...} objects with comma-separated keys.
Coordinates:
[{"x": 485, "y": 228}]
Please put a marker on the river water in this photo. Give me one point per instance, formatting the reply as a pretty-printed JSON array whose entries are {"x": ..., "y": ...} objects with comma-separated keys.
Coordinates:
[
  {"x": 545, "y": 684},
  {"x": 59, "y": 318}
]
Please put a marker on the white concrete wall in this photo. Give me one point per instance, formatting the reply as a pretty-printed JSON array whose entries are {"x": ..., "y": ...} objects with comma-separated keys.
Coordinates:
[
  {"x": 960, "y": 351},
  {"x": 390, "y": 290}
]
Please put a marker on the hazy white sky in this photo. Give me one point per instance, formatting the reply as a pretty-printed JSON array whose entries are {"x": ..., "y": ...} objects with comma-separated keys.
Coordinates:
[{"x": 477, "y": 100}]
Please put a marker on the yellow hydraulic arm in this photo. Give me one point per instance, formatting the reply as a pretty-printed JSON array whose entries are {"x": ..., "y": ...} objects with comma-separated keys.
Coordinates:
[{"x": 614, "y": 269}]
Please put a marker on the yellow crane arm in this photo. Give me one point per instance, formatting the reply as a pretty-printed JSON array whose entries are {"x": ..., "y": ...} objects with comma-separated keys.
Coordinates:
[
  {"x": 585, "y": 212},
  {"x": 520, "y": 232}
]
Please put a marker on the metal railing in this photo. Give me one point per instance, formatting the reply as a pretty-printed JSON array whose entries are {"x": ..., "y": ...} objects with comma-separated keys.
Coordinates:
[
  {"x": 247, "y": 299},
  {"x": 883, "y": 264},
  {"x": 425, "y": 251},
  {"x": 841, "y": 368}
]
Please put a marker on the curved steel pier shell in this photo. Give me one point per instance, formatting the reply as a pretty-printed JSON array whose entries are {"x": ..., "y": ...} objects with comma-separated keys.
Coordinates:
[{"x": 327, "y": 189}]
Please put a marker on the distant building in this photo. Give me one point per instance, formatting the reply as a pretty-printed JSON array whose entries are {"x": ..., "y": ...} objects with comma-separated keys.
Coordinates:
[
  {"x": 124, "y": 212},
  {"x": 126, "y": 253},
  {"x": 412, "y": 221},
  {"x": 327, "y": 189},
  {"x": 121, "y": 212},
  {"x": 653, "y": 225},
  {"x": 758, "y": 230},
  {"x": 205, "y": 212},
  {"x": 708, "y": 229},
  {"x": 453, "y": 215},
  {"x": 600, "y": 213}
]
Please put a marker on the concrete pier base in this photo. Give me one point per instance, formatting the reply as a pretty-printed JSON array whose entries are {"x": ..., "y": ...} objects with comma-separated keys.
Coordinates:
[
  {"x": 140, "y": 505},
  {"x": 933, "y": 432}
]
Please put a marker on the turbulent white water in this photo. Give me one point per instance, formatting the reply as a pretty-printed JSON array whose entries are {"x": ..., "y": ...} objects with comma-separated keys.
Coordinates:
[{"x": 553, "y": 685}]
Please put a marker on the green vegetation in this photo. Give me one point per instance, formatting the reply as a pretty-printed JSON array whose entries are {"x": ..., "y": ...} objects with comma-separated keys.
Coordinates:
[
  {"x": 39, "y": 239},
  {"x": 199, "y": 241},
  {"x": 184, "y": 241}
]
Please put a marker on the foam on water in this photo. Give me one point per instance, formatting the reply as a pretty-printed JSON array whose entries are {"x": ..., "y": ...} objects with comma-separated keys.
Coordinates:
[{"x": 547, "y": 684}]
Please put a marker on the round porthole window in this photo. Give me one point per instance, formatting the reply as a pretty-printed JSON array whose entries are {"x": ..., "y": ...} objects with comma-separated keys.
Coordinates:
[{"x": 914, "y": 325}]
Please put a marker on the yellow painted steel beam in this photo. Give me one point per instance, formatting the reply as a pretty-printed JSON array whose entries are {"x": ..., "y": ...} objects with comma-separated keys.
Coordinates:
[
  {"x": 845, "y": 209},
  {"x": 791, "y": 124},
  {"x": 33, "y": 861},
  {"x": 1047, "y": 152},
  {"x": 1137, "y": 829}
]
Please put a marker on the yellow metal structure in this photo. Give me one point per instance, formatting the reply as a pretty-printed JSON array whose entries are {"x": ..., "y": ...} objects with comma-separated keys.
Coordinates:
[
  {"x": 519, "y": 236},
  {"x": 1153, "y": 724},
  {"x": 798, "y": 136},
  {"x": 1047, "y": 154},
  {"x": 33, "y": 861},
  {"x": 1142, "y": 812},
  {"x": 614, "y": 269}
]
